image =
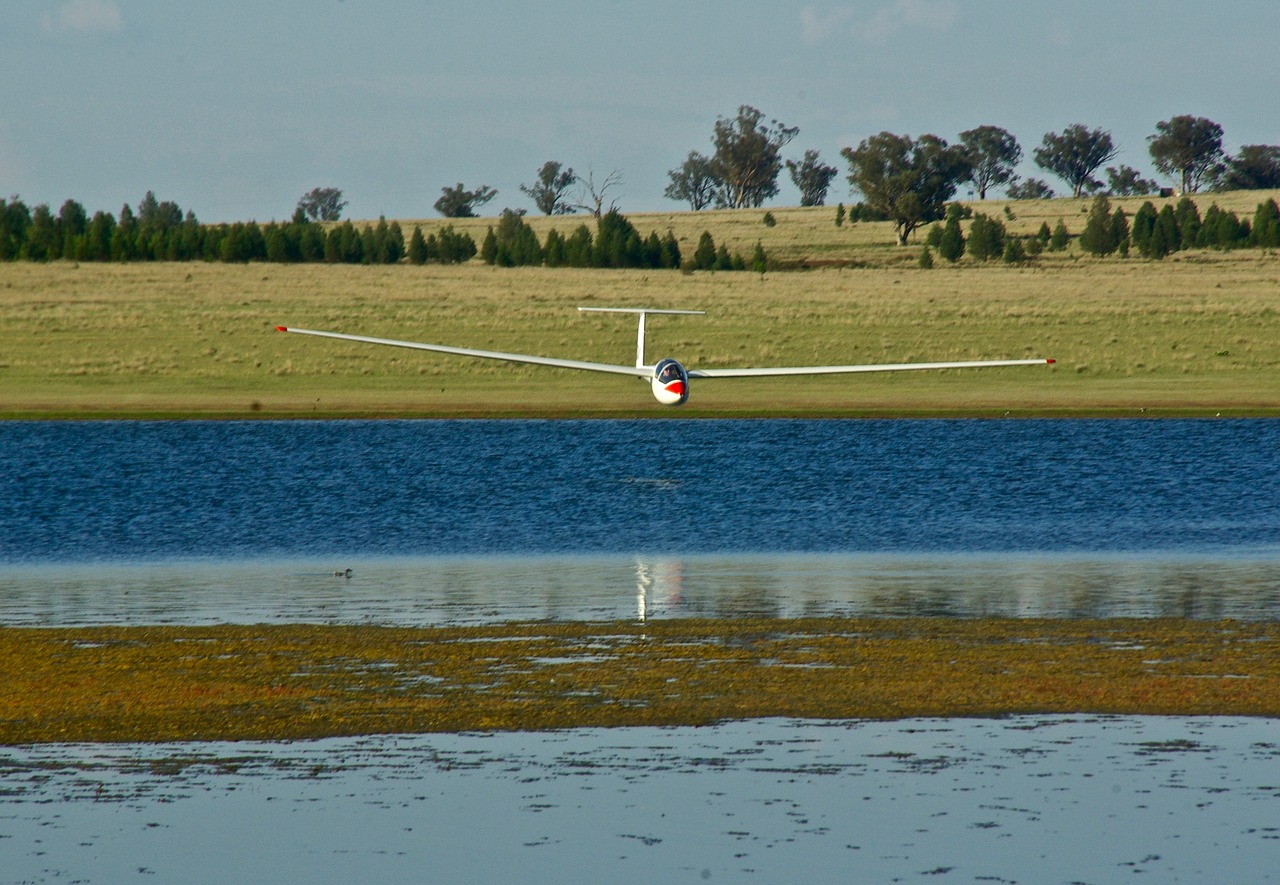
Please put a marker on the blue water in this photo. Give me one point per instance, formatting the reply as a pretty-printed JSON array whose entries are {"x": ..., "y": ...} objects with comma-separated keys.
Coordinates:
[{"x": 91, "y": 491}]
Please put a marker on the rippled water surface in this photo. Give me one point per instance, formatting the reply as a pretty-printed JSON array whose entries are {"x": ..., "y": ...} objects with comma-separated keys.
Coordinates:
[{"x": 129, "y": 490}]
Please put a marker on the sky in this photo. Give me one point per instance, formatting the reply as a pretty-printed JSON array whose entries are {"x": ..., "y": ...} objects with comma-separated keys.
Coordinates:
[{"x": 234, "y": 109}]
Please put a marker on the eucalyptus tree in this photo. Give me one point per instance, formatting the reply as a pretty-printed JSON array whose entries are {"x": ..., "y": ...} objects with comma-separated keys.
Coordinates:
[
  {"x": 322, "y": 204},
  {"x": 1189, "y": 150},
  {"x": 1125, "y": 181},
  {"x": 458, "y": 202},
  {"x": 548, "y": 193},
  {"x": 747, "y": 156},
  {"x": 906, "y": 180},
  {"x": 812, "y": 178},
  {"x": 1256, "y": 167},
  {"x": 993, "y": 154},
  {"x": 1075, "y": 154},
  {"x": 694, "y": 182}
]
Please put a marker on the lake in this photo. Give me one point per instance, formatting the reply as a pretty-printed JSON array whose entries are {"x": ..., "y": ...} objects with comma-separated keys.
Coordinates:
[{"x": 483, "y": 521}]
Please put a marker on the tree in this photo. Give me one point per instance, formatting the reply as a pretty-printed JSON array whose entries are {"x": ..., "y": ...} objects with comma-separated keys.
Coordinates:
[
  {"x": 1126, "y": 181},
  {"x": 987, "y": 237},
  {"x": 1075, "y": 154},
  {"x": 704, "y": 257},
  {"x": 458, "y": 202},
  {"x": 1096, "y": 237},
  {"x": 1256, "y": 167},
  {"x": 591, "y": 198},
  {"x": 1030, "y": 189},
  {"x": 694, "y": 182},
  {"x": 43, "y": 242},
  {"x": 72, "y": 225},
  {"x": 1144, "y": 225},
  {"x": 812, "y": 178},
  {"x": 417, "y": 247},
  {"x": 549, "y": 192},
  {"x": 322, "y": 204},
  {"x": 992, "y": 153},
  {"x": 1061, "y": 237},
  {"x": 905, "y": 180},
  {"x": 1266, "y": 225},
  {"x": 951, "y": 243},
  {"x": 1188, "y": 149},
  {"x": 15, "y": 219},
  {"x": 747, "y": 160}
]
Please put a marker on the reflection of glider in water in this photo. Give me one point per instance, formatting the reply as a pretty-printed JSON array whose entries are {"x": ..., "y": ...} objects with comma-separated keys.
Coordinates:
[
  {"x": 658, "y": 582},
  {"x": 668, "y": 378}
]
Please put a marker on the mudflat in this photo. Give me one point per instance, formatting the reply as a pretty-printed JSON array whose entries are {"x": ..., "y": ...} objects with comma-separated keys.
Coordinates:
[{"x": 261, "y": 682}]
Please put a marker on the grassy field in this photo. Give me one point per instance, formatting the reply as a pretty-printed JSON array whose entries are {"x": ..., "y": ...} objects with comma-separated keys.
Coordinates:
[
  {"x": 230, "y": 682},
  {"x": 1195, "y": 334}
]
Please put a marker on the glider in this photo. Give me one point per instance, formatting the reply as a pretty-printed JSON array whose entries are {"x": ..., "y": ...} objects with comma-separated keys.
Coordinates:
[{"x": 668, "y": 378}]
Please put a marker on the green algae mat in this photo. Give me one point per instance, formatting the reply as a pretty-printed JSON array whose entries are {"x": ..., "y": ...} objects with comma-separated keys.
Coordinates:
[{"x": 232, "y": 682}]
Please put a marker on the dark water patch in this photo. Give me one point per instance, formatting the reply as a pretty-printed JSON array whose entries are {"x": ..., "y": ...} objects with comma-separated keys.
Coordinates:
[{"x": 92, "y": 491}]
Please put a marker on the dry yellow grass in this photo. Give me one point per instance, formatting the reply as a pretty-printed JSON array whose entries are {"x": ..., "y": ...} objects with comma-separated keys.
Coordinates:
[
  {"x": 809, "y": 235},
  {"x": 1195, "y": 334},
  {"x": 306, "y": 681}
]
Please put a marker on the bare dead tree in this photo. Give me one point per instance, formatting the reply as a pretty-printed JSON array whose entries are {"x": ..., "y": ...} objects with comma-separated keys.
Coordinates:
[{"x": 591, "y": 197}]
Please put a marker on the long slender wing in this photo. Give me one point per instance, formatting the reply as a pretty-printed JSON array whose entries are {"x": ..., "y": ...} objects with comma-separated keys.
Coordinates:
[
  {"x": 839, "y": 370},
  {"x": 637, "y": 371}
]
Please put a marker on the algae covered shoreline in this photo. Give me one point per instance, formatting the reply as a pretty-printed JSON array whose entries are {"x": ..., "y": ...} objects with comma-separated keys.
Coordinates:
[{"x": 280, "y": 682}]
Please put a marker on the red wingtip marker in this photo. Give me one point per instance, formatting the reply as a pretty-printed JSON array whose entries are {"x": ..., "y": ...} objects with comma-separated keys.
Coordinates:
[
  {"x": 1050, "y": 362},
  {"x": 286, "y": 329}
]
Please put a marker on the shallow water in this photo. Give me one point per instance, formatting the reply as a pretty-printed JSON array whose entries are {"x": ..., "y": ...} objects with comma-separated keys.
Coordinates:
[
  {"x": 471, "y": 590},
  {"x": 1024, "y": 799}
]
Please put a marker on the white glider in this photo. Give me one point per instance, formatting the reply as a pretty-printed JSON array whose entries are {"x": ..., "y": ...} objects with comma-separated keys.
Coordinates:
[{"x": 668, "y": 378}]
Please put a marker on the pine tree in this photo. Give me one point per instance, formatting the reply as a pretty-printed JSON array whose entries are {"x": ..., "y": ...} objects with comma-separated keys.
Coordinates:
[
  {"x": 759, "y": 262},
  {"x": 1014, "y": 253},
  {"x": 1167, "y": 226},
  {"x": 704, "y": 257},
  {"x": 417, "y": 247},
  {"x": 554, "y": 249},
  {"x": 1188, "y": 218},
  {"x": 1266, "y": 225},
  {"x": 1118, "y": 233},
  {"x": 1095, "y": 238},
  {"x": 951, "y": 243},
  {"x": 670, "y": 255},
  {"x": 489, "y": 248},
  {"x": 1144, "y": 223},
  {"x": 986, "y": 238},
  {"x": 1061, "y": 237}
]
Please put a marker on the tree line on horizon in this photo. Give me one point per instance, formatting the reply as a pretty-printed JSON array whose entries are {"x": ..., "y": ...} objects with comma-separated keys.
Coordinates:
[
  {"x": 745, "y": 163},
  {"x": 909, "y": 181}
]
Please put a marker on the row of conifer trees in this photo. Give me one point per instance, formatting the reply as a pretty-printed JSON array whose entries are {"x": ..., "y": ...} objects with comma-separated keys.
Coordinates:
[
  {"x": 1153, "y": 233},
  {"x": 161, "y": 231}
]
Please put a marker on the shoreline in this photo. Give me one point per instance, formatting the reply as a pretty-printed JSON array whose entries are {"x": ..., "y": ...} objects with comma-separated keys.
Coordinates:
[{"x": 603, "y": 414}]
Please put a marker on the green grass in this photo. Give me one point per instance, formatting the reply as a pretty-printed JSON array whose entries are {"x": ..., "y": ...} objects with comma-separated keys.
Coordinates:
[{"x": 1195, "y": 334}]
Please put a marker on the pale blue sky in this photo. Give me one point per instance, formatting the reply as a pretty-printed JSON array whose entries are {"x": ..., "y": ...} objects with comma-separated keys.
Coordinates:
[{"x": 234, "y": 109}]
